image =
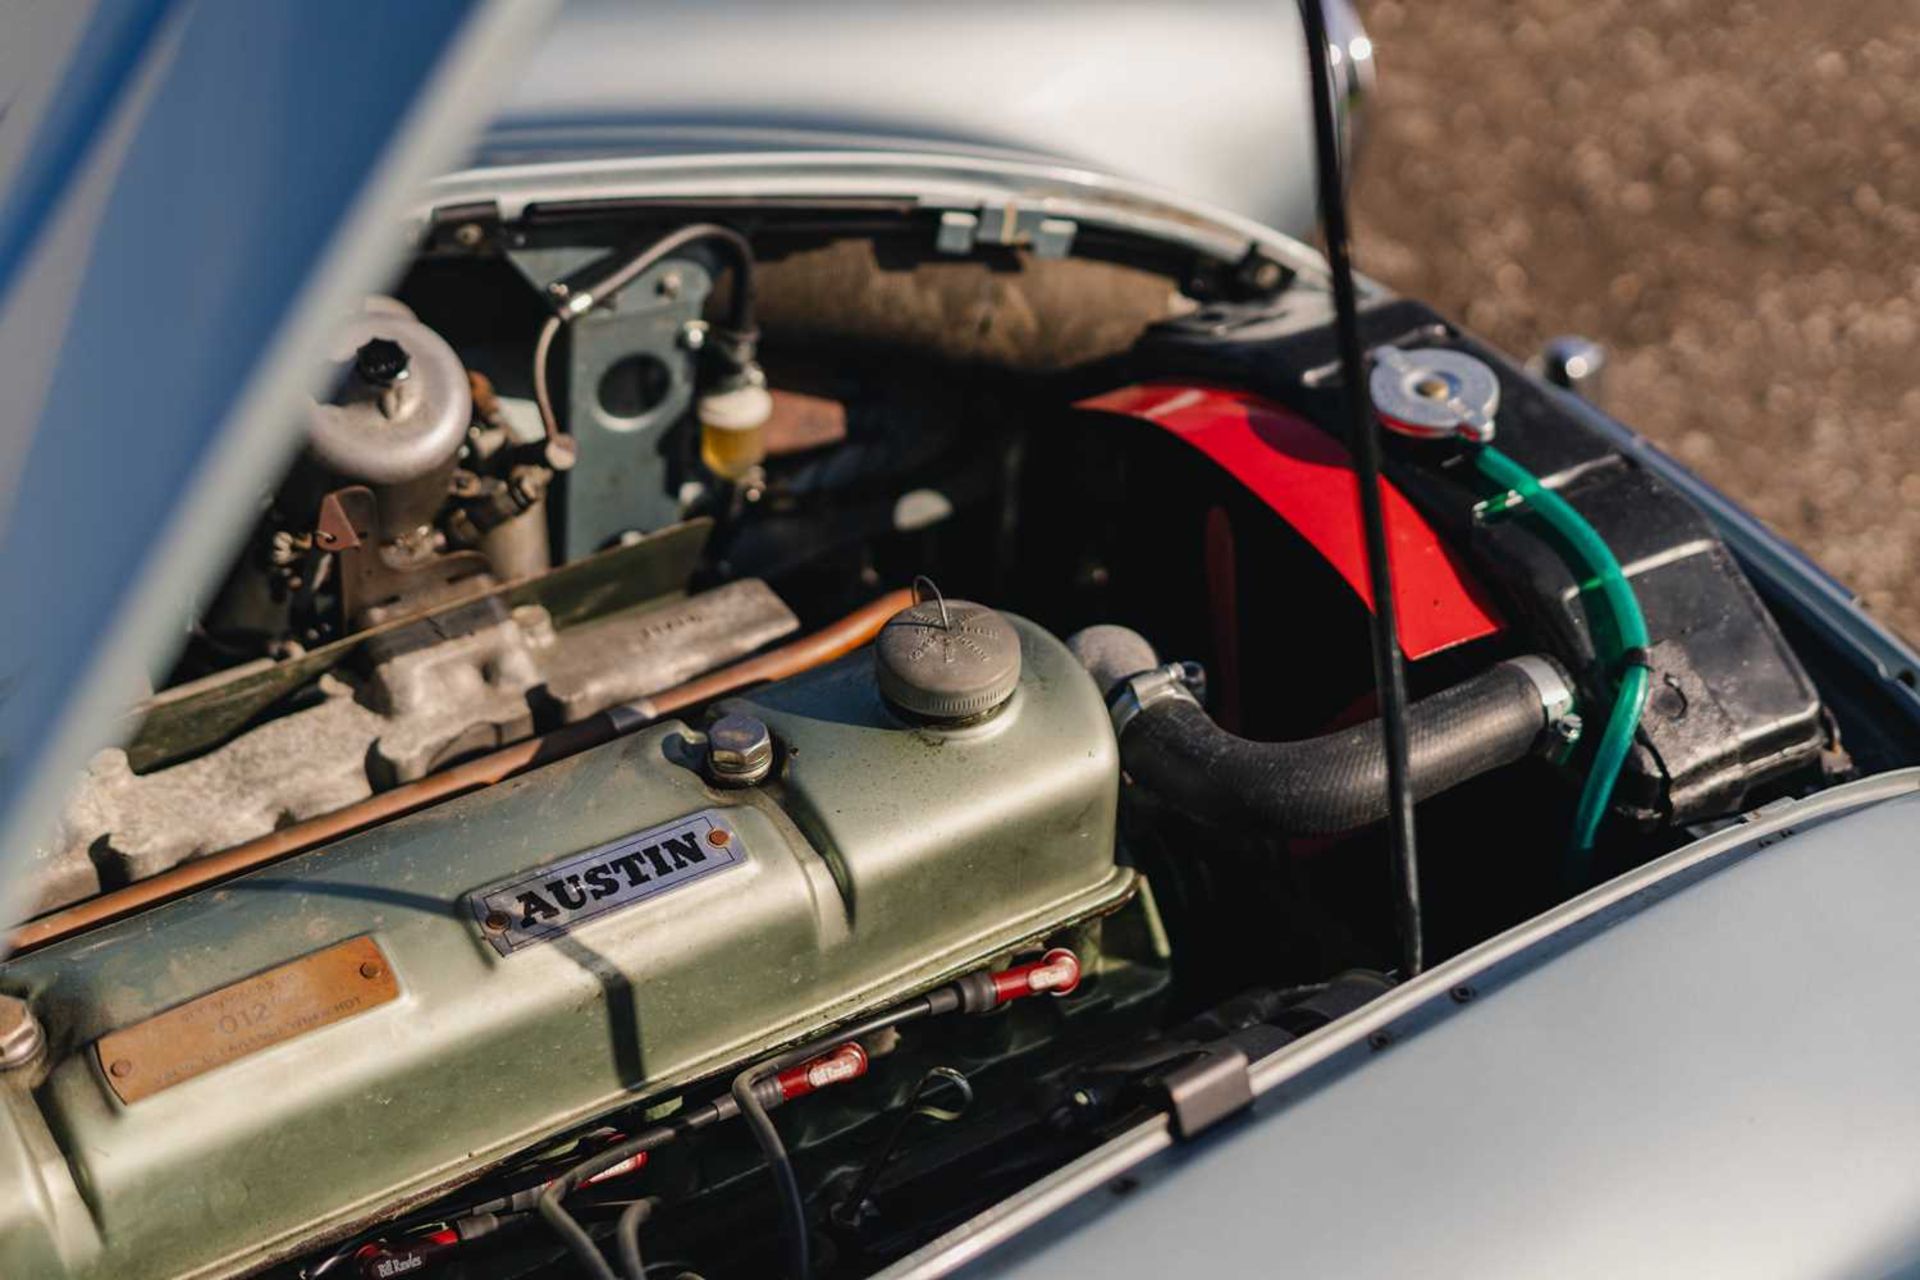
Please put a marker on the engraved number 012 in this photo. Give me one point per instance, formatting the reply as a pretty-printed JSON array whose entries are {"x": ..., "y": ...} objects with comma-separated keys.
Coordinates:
[{"x": 245, "y": 1020}]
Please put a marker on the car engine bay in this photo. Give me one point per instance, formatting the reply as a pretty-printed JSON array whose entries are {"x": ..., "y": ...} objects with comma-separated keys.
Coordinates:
[{"x": 708, "y": 656}]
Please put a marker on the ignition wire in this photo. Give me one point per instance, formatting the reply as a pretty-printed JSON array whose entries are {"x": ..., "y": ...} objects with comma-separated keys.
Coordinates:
[{"x": 793, "y": 1074}]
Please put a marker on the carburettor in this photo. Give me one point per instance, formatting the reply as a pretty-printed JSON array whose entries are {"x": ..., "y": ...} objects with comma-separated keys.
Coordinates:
[{"x": 233, "y": 1076}]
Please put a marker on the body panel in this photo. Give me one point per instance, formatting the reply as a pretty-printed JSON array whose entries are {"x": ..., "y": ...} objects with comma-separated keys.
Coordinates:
[{"x": 1689, "y": 1071}]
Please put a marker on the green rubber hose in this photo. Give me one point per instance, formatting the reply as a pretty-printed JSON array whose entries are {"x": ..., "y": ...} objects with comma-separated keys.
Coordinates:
[{"x": 1621, "y": 646}]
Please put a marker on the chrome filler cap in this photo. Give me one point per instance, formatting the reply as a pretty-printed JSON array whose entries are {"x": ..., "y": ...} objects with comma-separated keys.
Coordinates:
[{"x": 1432, "y": 393}]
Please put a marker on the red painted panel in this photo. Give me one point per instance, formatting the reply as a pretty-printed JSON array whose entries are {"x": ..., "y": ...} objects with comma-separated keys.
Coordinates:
[{"x": 1306, "y": 477}]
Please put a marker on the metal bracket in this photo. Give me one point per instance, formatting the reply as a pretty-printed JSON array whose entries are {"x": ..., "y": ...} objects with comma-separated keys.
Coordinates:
[
  {"x": 635, "y": 343},
  {"x": 382, "y": 582},
  {"x": 1012, "y": 225},
  {"x": 1209, "y": 1089}
]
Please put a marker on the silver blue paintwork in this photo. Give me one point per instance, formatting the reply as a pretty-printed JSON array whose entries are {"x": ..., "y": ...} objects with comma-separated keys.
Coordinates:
[
  {"x": 1208, "y": 100},
  {"x": 1703, "y": 1068}
]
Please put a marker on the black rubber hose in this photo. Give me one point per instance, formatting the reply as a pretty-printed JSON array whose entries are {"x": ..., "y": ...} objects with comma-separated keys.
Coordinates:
[
  {"x": 1333, "y": 783},
  {"x": 627, "y": 1236}
]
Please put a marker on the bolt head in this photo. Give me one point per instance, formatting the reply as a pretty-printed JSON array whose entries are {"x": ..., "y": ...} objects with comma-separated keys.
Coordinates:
[
  {"x": 381, "y": 362},
  {"x": 20, "y": 1035},
  {"x": 739, "y": 750}
]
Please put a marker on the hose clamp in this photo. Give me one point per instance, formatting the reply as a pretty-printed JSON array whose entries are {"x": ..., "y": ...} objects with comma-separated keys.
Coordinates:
[
  {"x": 1175, "y": 680},
  {"x": 1556, "y": 694}
]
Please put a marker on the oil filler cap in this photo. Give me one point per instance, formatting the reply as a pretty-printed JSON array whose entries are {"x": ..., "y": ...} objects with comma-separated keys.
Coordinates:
[{"x": 947, "y": 660}]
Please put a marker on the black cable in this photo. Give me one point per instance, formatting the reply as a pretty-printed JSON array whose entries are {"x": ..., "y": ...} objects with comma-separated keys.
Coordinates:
[
  {"x": 567, "y": 1227},
  {"x": 793, "y": 1206},
  {"x": 746, "y": 1096},
  {"x": 744, "y": 1100},
  {"x": 627, "y": 1236},
  {"x": 1364, "y": 437}
]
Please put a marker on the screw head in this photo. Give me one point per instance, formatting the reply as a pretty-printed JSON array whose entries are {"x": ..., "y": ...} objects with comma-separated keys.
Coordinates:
[
  {"x": 121, "y": 1068},
  {"x": 371, "y": 969},
  {"x": 21, "y": 1038},
  {"x": 739, "y": 751},
  {"x": 718, "y": 837},
  {"x": 496, "y": 921}
]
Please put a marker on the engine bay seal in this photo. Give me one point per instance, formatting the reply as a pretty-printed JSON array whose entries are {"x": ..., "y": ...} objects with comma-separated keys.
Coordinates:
[
  {"x": 547, "y": 902},
  {"x": 245, "y": 1017}
]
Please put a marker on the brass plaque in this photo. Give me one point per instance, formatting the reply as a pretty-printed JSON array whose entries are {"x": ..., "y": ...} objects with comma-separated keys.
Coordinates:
[{"x": 245, "y": 1017}]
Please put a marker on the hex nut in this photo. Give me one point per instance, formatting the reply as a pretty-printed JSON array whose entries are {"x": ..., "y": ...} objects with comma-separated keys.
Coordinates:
[
  {"x": 21, "y": 1038},
  {"x": 739, "y": 751},
  {"x": 381, "y": 362}
]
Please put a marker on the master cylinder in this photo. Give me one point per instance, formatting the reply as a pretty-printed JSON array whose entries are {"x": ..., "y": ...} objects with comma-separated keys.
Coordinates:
[{"x": 236, "y": 1074}]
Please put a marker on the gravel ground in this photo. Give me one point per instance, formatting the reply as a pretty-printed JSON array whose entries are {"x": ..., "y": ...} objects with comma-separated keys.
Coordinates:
[{"x": 1727, "y": 195}]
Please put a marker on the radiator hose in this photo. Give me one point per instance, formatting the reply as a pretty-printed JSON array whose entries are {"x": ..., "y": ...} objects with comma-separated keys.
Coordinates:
[{"x": 1318, "y": 786}]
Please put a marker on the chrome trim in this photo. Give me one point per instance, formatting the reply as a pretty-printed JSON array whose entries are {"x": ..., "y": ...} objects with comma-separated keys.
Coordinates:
[
  {"x": 931, "y": 180},
  {"x": 1355, "y": 72}
]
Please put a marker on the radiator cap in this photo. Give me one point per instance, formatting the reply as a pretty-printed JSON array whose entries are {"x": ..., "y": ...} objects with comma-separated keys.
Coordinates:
[{"x": 947, "y": 660}]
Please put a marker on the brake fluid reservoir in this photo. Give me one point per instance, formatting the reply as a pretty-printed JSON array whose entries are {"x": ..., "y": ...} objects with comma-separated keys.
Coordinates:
[{"x": 733, "y": 429}]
